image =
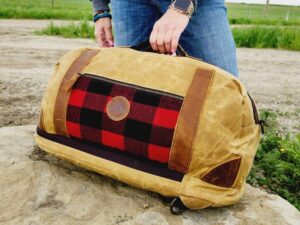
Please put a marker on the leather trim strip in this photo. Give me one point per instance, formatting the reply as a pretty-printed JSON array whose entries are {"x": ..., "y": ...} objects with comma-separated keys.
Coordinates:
[
  {"x": 188, "y": 120},
  {"x": 116, "y": 156},
  {"x": 60, "y": 110},
  {"x": 223, "y": 175}
]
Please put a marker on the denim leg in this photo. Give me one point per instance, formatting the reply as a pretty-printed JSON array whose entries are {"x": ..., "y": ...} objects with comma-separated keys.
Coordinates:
[
  {"x": 208, "y": 35},
  {"x": 133, "y": 21}
]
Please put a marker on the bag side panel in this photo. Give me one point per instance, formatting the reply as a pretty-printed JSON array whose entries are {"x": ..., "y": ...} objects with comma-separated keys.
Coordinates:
[
  {"x": 249, "y": 139},
  {"x": 227, "y": 133},
  {"x": 214, "y": 144},
  {"x": 219, "y": 126}
]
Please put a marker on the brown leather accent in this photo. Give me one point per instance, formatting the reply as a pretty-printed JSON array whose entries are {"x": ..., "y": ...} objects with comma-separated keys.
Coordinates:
[
  {"x": 60, "y": 110},
  {"x": 188, "y": 121},
  {"x": 223, "y": 175},
  {"x": 117, "y": 108},
  {"x": 68, "y": 84}
]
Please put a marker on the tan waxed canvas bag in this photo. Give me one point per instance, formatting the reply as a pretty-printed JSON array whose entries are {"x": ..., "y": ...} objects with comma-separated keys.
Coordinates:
[{"x": 172, "y": 125}]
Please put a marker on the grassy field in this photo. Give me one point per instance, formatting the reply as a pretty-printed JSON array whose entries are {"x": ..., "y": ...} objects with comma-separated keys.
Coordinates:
[
  {"x": 44, "y": 9},
  {"x": 250, "y": 37},
  {"x": 83, "y": 29},
  {"x": 257, "y": 11},
  {"x": 267, "y": 37},
  {"x": 82, "y": 9}
]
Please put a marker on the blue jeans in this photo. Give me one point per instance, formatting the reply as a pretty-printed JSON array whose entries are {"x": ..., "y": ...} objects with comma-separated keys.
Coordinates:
[{"x": 207, "y": 36}]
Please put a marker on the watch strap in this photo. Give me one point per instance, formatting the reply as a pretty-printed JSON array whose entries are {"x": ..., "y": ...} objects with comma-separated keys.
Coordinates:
[{"x": 183, "y": 6}]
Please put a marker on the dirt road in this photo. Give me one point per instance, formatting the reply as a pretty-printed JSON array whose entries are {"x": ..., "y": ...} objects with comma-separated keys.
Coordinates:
[{"x": 26, "y": 61}]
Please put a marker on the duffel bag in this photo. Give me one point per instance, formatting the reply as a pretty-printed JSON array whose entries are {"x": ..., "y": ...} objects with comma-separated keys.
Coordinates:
[{"x": 172, "y": 125}]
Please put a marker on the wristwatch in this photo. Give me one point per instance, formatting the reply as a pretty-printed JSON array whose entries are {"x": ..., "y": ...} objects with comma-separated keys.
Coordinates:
[{"x": 183, "y": 6}]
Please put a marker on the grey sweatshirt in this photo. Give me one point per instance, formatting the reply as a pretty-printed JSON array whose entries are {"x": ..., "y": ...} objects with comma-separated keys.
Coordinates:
[{"x": 100, "y": 5}]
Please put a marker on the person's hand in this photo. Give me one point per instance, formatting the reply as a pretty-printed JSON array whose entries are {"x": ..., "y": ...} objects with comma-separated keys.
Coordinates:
[
  {"x": 167, "y": 30},
  {"x": 103, "y": 32}
]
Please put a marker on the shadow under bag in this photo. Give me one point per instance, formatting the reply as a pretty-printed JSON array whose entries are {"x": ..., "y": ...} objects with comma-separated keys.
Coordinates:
[{"x": 172, "y": 125}]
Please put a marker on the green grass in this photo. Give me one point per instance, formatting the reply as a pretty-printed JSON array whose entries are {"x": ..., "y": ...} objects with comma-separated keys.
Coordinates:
[
  {"x": 250, "y": 37},
  {"x": 276, "y": 164},
  {"x": 73, "y": 30},
  {"x": 267, "y": 37},
  {"x": 43, "y": 9},
  {"x": 253, "y": 11},
  {"x": 82, "y": 9},
  {"x": 254, "y": 14},
  {"x": 261, "y": 21}
]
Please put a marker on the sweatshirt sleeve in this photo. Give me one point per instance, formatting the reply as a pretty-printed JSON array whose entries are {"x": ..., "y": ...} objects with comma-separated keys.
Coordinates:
[{"x": 100, "y": 5}]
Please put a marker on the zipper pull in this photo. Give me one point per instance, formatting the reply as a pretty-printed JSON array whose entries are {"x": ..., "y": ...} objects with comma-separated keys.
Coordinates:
[{"x": 68, "y": 84}]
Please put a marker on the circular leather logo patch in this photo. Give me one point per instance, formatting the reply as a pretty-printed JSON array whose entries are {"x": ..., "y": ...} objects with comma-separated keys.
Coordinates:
[{"x": 117, "y": 108}]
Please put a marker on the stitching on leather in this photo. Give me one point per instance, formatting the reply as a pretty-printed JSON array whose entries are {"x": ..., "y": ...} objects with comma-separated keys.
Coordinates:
[
  {"x": 199, "y": 116},
  {"x": 220, "y": 164},
  {"x": 176, "y": 130}
]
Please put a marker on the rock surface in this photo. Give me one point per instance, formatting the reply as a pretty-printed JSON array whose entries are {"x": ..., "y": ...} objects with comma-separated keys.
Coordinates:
[{"x": 37, "y": 188}]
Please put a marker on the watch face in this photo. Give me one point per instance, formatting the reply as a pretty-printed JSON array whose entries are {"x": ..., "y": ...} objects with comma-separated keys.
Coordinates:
[{"x": 182, "y": 4}]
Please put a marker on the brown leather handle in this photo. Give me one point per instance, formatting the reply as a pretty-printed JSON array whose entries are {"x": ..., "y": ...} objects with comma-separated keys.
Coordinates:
[{"x": 146, "y": 47}]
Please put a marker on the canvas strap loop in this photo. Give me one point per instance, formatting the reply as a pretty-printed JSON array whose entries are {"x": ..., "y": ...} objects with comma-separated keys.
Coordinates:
[{"x": 187, "y": 122}]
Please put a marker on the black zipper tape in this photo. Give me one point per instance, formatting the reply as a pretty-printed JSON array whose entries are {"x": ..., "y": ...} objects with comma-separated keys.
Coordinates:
[
  {"x": 98, "y": 77},
  {"x": 261, "y": 123}
]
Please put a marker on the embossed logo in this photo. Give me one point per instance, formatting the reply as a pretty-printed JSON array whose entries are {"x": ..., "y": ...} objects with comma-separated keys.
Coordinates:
[{"x": 118, "y": 108}]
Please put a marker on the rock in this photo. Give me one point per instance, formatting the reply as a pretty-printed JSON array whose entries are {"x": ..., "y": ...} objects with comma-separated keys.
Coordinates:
[
  {"x": 38, "y": 188},
  {"x": 146, "y": 206}
]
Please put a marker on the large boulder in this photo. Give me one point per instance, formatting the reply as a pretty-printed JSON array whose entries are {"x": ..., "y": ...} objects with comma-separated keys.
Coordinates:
[{"x": 37, "y": 188}]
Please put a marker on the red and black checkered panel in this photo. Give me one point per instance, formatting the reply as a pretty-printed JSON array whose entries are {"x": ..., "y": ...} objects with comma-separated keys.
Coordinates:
[{"x": 148, "y": 129}]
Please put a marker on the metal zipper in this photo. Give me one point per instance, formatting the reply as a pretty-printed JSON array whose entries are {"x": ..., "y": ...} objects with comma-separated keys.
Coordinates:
[
  {"x": 98, "y": 77},
  {"x": 258, "y": 121}
]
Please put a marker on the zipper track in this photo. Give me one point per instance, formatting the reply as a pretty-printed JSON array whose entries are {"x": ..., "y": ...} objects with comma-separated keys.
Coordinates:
[
  {"x": 258, "y": 121},
  {"x": 98, "y": 77},
  {"x": 255, "y": 112}
]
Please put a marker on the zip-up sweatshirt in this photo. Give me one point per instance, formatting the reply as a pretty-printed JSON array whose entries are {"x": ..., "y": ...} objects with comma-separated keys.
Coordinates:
[{"x": 100, "y": 5}]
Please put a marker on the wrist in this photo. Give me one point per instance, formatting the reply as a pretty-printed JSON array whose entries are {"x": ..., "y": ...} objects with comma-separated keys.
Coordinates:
[
  {"x": 101, "y": 14},
  {"x": 177, "y": 13}
]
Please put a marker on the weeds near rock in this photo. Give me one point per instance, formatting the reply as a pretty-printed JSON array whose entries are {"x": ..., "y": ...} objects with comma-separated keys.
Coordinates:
[{"x": 276, "y": 165}]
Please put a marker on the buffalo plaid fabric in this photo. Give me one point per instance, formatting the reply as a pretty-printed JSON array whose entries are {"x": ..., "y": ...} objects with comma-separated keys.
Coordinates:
[{"x": 147, "y": 130}]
